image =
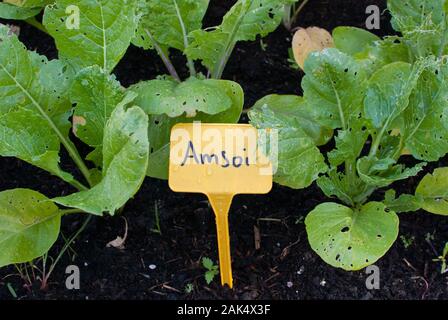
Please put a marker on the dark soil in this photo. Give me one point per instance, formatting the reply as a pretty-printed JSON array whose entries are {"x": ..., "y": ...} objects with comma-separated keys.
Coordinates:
[{"x": 285, "y": 267}]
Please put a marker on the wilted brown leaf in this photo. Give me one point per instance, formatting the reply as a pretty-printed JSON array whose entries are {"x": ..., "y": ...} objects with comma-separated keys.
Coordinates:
[{"x": 309, "y": 40}]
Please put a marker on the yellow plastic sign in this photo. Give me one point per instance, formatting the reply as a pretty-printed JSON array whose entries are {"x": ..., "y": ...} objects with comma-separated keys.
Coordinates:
[{"x": 219, "y": 160}]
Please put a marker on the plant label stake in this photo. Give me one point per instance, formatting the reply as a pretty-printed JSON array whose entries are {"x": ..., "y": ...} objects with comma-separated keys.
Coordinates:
[{"x": 220, "y": 161}]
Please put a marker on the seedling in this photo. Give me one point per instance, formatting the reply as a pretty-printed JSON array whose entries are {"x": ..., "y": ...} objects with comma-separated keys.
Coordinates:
[
  {"x": 378, "y": 99},
  {"x": 189, "y": 288},
  {"x": 11, "y": 290},
  {"x": 442, "y": 259},
  {"x": 263, "y": 45},
  {"x": 212, "y": 270},
  {"x": 407, "y": 241},
  {"x": 157, "y": 228}
]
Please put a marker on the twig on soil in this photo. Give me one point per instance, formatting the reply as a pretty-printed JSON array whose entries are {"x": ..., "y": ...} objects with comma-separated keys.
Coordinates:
[
  {"x": 271, "y": 277},
  {"x": 211, "y": 291},
  {"x": 409, "y": 265},
  {"x": 257, "y": 238},
  {"x": 172, "y": 260},
  {"x": 270, "y": 220},
  {"x": 418, "y": 277},
  {"x": 165, "y": 286},
  {"x": 426, "y": 285},
  {"x": 286, "y": 251}
]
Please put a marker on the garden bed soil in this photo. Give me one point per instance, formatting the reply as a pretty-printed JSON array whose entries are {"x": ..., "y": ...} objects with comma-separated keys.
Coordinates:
[{"x": 284, "y": 267}]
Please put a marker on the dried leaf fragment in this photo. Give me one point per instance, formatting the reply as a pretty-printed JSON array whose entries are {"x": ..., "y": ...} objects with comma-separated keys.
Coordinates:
[
  {"x": 308, "y": 40},
  {"x": 78, "y": 121},
  {"x": 119, "y": 242}
]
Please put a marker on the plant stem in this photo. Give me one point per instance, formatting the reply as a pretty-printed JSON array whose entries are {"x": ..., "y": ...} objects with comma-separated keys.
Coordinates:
[
  {"x": 77, "y": 159},
  {"x": 70, "y": 211},
  {"x": 33, "y": 22},
  {"x": 166, "y": 60},
  {"x": 443, "y": 42},
  {"x": 228, "y": 48},
  {"x": 287, "y": 16},
  {"x": 225, "y": 58},
  {"x": 78, "y": 185},
  {"x": 185, "y": 36},
  {"x": 296, "y": 14}
]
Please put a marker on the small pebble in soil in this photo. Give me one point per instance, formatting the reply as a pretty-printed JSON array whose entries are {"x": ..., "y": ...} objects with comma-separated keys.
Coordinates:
[
  {"x": 301, "y": 270},
  {"x": 323, "y": 283},
  {"x": 289, "y": 284},
  {"x": 152, "y": 267}
]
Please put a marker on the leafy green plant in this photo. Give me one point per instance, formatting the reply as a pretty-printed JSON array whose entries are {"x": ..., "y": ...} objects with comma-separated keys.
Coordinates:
[
  {"x": 127, "y": 129},
  {"x": 377, "y": 99},
  {"x": 212, "y": 270}
]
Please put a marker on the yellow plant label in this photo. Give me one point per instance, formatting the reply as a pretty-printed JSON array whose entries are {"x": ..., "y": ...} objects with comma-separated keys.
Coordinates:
[{"x": 219, "y": 160}]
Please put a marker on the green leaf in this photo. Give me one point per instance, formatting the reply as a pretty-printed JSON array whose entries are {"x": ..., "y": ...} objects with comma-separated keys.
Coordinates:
[
  {"x": 207, "y": 263},
  {"x": 351, "y": 239},
  {"x": 166, "y": 96},
  {"x": 383, "y": 172},
  {"x": 424, "y": 126},
  {"x": 412, "y": 15},
  {"x": 299, "y": 160},
  {"x": 291, "y": 109},
  {"x": 33, "y": 142},
  {"x": 333, "y": 87},
  {"x": 125, "y": 161},
  {"x": 96, "y": 94},
  {"x": 388, "y": 94},
  {"x": 351, "y": 40},
  {"x": 29, "y": 225},
  {"x": 209, "y": 47},
  {"x": 9, "y": 11},
  {"x": 445, "y": 250},
  {"x": 349, "y": 144},
  {"x": 423, "y": 24},
  {"x": 161, "y": 124},
  {"x": 380, "y": 53},
  {"x": 338, "y": 184},
  {"x": 246, "y": 20},
  {"x": 105, "y": 31},
  {"x": 433, "y": 189},
  {"x": 253, "y": 18},
  {"x": 404, "y": 203},
  {"x": 29, "y": 3},
  {"x": 32, "y": 91},
  {"x": 209, "y": 276},
  {"x": 169, "y": 22}
]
